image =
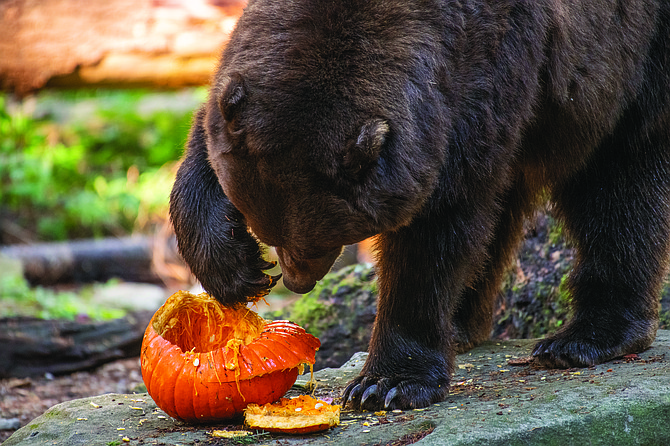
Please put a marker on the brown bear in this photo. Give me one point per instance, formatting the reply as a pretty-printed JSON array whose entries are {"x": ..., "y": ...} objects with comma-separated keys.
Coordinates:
[{"x": 439, "y": 125}]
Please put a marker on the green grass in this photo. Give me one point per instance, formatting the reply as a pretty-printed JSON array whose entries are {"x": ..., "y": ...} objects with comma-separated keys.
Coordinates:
[
  {"x": 19, "y": 299},
  {"x": 81, "y": 164}
]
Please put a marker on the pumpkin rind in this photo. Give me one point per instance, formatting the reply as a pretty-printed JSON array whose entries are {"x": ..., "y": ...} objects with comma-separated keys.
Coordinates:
[{"x": 255, "y": 366}]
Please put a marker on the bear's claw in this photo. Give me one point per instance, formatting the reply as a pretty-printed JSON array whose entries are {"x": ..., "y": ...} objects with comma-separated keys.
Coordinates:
[{"x": 371, "y": 393}]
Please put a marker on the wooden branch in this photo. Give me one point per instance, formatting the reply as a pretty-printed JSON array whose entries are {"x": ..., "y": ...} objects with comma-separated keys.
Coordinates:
[{"x": 76, "y": 43}]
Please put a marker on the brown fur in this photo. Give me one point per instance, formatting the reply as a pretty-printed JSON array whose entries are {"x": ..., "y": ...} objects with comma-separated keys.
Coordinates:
[{"x": 438, "y": 125}]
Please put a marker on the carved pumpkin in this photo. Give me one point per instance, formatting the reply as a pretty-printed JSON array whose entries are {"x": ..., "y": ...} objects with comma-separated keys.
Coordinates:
[
  {"x": 202, "y": 361},
  {"x": 300, "y": 415}
]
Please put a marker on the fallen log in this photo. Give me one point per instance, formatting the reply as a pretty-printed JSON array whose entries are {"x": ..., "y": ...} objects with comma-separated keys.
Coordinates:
[
  {"x": 84, "y": 261},
  {"x": 33, "y": 347}
]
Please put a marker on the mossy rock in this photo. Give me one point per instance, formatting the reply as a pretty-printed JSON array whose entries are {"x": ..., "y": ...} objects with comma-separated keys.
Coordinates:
[
  {"x": 340, "y": 311},
  {"x": 534, "y": 299}
]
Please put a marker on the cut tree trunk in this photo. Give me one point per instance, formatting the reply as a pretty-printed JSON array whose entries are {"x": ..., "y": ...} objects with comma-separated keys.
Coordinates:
[
  {"x": 32, "y": 347},
  {"x": 76, "y": 43}
]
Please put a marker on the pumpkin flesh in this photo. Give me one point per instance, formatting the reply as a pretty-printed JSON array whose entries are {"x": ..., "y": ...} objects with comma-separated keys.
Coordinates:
[
  {"x": 202, "y": 361},
  {"x": 301, "y": 415}
]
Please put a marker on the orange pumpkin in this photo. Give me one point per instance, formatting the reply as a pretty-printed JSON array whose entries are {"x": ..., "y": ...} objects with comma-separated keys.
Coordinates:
[
  {"x": 301, "y": 415},
  {"x": 202, "y": 361}
]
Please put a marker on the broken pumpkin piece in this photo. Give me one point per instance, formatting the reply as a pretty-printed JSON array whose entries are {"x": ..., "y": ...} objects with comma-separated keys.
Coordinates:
[
  {"x": 301, "y": 415},
  {"x": 202, "y": 361}
]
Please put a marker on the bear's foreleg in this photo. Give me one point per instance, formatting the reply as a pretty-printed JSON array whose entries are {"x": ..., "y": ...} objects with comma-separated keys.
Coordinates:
[
  {"x": 422, "y": 269},
  {"x": 212, "y": 234}
]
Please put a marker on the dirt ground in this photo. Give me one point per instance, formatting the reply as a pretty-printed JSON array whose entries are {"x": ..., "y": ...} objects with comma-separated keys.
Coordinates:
[{"x": 27, "y": 398}]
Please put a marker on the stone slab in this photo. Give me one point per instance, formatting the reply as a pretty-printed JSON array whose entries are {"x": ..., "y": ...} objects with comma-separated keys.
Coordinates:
[{"x": 492, "y": 402}]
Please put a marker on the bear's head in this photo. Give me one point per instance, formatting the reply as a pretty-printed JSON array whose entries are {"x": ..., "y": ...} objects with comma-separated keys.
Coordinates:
[{"x": 318, "y": 144}]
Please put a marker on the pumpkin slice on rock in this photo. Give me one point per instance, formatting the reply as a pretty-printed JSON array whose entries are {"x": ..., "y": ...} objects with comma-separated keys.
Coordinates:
[
  {"x": 301, "y": 415},
  {"x": 202, "y": 361}
]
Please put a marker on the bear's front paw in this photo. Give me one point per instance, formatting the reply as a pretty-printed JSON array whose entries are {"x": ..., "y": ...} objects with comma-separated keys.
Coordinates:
[
  {"x": 257, "y": 282},
  {"x": 377, "y": 393},
  {"x": 249, "y": 283}
]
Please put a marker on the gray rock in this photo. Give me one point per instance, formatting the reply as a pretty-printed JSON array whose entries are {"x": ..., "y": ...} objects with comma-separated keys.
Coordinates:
[
  {"x": 130, "y": 296},
  {"x": 492, "y": 403}
]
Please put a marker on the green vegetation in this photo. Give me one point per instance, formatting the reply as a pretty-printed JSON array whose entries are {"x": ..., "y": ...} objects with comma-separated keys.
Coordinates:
[
  {"x": 556, "y": 234},
  {"x": 535, "y": 295},
  {"x": 309, "y": 310},
  {"x": 84, "y": 164},
  {"x": 533, "y": 309},
  {"x": 90, "y": 164},
  {"x": 254, "y": 438}
]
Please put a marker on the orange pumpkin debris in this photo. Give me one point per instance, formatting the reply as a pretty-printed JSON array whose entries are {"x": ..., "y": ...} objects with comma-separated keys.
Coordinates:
[
  {"x": 301, "y": 415},
  {"x": 202, "y": 361}
]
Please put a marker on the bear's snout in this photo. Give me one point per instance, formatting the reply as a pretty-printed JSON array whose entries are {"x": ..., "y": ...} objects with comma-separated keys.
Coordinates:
[{"x": 301, "y": 275}]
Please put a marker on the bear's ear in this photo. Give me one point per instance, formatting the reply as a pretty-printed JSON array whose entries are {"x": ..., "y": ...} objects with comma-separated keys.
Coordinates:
[
  {"x": 368, "y": 146},
  {"x": 233, "y": 97}
]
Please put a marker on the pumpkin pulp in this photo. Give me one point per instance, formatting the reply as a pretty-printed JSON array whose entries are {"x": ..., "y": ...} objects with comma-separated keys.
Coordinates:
[{"x": 199, "y": 324}]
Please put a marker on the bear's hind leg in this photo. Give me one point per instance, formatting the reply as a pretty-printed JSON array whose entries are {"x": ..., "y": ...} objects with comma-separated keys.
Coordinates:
[{"x": 617, "y": 211}]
